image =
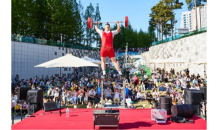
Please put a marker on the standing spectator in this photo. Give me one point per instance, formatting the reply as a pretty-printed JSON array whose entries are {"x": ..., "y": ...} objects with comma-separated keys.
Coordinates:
[{"x": 17, "y": 78}]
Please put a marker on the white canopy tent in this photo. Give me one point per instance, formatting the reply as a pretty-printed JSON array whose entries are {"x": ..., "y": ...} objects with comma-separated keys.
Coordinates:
[
  {"x": 66, "y": 61},
  {"x": 172, "y": 60},
  {"x": 92, "y": 60},
  {"x": 200, "y": 62}
]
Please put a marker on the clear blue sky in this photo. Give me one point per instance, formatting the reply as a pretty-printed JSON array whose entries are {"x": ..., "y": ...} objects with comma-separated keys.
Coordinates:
[{"x": 137, "y": 10}]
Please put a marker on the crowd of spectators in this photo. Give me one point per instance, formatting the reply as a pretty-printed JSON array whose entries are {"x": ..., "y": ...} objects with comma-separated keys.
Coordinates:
[
  {"x": 133, "y": 50},
  {"x": 83, "y": 87}
]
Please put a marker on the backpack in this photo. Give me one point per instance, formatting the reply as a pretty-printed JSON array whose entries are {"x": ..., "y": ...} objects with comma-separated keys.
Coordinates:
[{"x": 179, "y": 119}]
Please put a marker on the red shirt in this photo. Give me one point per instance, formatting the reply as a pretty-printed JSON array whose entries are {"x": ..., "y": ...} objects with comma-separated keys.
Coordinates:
[{"x": 107, "y": 40}]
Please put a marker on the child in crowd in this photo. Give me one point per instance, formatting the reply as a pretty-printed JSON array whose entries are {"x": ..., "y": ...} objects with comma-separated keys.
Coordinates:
[
  {"x": 89, "y": 105},
  {"x": 17, "y": 107}
]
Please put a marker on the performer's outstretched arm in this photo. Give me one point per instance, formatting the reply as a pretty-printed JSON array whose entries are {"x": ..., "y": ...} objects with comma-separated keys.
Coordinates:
[
  {"x": 96, "y": 26},
  {"x": 118, "y": 27}
]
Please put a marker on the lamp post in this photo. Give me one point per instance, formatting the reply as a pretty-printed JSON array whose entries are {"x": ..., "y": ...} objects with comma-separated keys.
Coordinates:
[
  {"x": 61, "y": 39},
  {"x": 126, "y": 53}
]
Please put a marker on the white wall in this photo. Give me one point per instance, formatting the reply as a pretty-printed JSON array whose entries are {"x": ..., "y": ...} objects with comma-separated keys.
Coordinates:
[
  {"x": 26, "y": 55},
  {"x": 190, "y": 49}
]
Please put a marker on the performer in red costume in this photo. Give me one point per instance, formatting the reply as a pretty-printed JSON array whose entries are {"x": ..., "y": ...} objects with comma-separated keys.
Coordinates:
[{"x": 107, "y": 48}]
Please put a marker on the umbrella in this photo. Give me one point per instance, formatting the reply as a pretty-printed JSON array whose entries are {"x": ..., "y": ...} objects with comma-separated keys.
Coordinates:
[
  {"x": 92, "y": 60},
  {"x": 172, "y": 60},
  {"x": 67, "y": 61},
  {"x": 201, "y": 61}
]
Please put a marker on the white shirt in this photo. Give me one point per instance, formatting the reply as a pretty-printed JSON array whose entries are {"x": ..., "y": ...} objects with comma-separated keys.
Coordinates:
[
  {"x": 56, "y": 95},
  {"x": 130, "y": 71},
  {"x": 156, "y": 93},
  {"x": 117, "y": 86},
  {"x": 116, "y": 95},
  {"x": 91, "y": 93},
  {"x": 145, "y": 76},
  {"x": 100, "y": 32}
]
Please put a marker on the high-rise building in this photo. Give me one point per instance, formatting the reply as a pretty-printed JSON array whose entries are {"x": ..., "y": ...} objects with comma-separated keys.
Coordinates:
[
  {"x": 201, "y": 17},
  {"x": 186, "y": 21}
]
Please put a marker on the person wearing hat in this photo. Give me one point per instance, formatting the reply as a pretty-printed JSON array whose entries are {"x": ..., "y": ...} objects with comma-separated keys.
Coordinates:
[
  {"x": 131, "y": 105},
  {"x": 107, "y": 48}
]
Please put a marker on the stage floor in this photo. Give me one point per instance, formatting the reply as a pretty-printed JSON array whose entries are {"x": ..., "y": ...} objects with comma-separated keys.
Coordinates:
[{"x": 83, "y": 119}]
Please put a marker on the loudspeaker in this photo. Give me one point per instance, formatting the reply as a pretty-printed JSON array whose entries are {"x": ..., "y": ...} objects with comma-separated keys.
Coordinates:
[
  {"x": 22, "y": 93},
  {"x": 166, "y": 103},
  {"x": 35, "y": 100},
  {"x": 34, "y": 96},
  {"x": 185, "y": 110},
  {"x": 192, "y": 96},
  {"x": 50, "y": 106},
  {"x": 204, "y": 93},
  {"x": 32, "y": 108}
]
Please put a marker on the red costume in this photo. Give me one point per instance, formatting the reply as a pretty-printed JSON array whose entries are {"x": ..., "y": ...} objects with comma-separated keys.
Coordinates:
[{"x": 107, "y": 48}]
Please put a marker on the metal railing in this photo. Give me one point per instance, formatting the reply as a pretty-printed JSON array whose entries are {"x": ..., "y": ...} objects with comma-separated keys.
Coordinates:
[
  {"x": 195, "y": 32},
  {"x": 33, "y": 40}
]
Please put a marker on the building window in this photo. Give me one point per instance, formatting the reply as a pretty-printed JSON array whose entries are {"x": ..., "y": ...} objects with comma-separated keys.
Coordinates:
[
  {"x": 69, "y": 69},
  {"x": 55, "y": 53},
  {"x": 62, "y": 54},
  {"x": 65, "y": 69}
]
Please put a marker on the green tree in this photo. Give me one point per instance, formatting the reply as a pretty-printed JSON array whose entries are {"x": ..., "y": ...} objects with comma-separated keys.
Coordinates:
[
  {"x": 173, "y": 5},
  {"x": 191, "y": 3},
  {"x": 161, "y": 14}
]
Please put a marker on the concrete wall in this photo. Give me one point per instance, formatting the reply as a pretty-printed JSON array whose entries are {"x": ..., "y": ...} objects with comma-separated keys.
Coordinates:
[
  {"x": 190, "y": 49},
  {"x": 26, "y": 55}
]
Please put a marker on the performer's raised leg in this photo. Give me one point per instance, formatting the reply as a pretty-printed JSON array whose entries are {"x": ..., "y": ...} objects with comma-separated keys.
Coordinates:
[
  {"x": 103, "y": 61},
  {"x": 113, "y": 60}
]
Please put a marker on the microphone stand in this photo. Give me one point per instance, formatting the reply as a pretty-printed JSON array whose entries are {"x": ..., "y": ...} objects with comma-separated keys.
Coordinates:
[{"x": 21, "y": 110}]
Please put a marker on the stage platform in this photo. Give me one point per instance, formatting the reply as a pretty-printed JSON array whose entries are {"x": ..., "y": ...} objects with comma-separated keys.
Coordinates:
[{"x": 83, "y": 119}]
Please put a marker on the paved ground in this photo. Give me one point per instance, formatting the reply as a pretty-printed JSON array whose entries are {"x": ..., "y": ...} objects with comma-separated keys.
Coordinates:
[{"x": 17, "y": 119}]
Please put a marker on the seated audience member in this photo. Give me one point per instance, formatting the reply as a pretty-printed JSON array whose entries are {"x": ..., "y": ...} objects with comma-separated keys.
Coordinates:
[
  {"x": 89, "y": 105},
  {"x": 156, "y": 93},
  {"x": 86, "y": 97},
  {"x": 12, "y": 106},
  {"x": 133, "y": 97},
  {"x": 149, "y": 97},
  {"x": 151, "y": 105},
  {"x": 162, "y": 89},
  {"x": 184, "y": 85},
  {"x": 91, "y": 96},
  {"x": 17, "y": 107},
  {"x": 98, "y": 105},
  {"x": 150, "y": 85},
  {"x": 131, "y": 105},
  {"x": 80, "y": 96},
  {"x": 143, "y": 87},
  {"x": 108, "y": 92},
  {"x": 173, "y": 100},
  {"x": 140, "y": 96},
  {"x": 116, "y": 97},
  {"x": 73, "y": 97},
  {"x": 180, "y": 101},
  {"x": 24, "y": 107},
  {"x": 56, "y": 95}
]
